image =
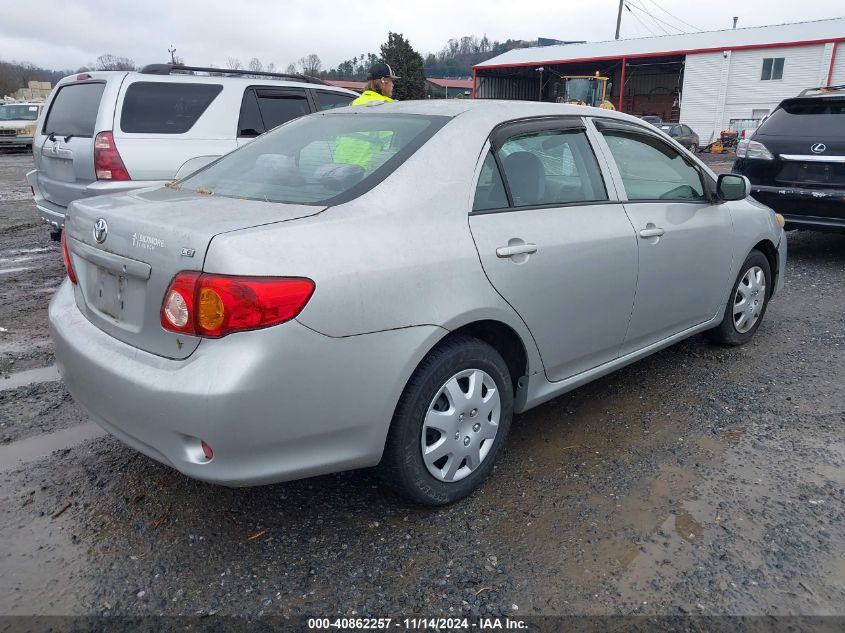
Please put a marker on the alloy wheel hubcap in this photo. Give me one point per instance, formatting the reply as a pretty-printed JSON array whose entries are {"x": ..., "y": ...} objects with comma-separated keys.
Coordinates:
[
  {"x": 749, "y": 299},
  {"x": 460, "y": 425}
]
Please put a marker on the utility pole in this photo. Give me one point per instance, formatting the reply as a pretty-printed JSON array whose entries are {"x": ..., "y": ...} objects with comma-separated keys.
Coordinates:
[{"x": 619, "y": 18}]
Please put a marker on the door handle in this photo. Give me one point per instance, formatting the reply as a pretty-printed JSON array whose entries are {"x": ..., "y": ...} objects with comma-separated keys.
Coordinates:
[
  {"x": 651, "y": 232},
  {"x": 516, "y": 249}
]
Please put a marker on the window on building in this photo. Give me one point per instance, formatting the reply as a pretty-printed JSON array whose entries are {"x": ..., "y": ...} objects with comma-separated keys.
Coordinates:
[{"x": 772, "y": 68}]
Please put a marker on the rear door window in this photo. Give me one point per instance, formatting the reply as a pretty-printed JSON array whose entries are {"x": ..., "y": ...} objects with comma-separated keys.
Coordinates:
[
  {"x": 157, "y": 107},
  {"x": 551, "y": 167},
  {"x": 74, "y": 110},
  {"x": 281, "y": 106},
  {"x": 329, "y": 100}
]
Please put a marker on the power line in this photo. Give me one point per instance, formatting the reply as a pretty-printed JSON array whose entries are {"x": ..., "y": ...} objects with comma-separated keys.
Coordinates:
[
  {"x": 692, "y": 26},
  {"x": 657, "y": 21},
  {"x": 637, "y": 18}
]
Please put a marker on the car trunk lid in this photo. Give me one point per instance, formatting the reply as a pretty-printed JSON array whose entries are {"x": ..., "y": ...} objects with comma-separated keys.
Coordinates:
[{"x": 126, "y": 250}]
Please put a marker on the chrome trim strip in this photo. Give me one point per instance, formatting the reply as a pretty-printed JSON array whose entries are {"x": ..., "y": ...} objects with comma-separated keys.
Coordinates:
[{"x": 813, "y": 158}]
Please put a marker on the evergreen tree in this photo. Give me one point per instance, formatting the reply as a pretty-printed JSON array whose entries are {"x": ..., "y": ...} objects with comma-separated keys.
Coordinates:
[{"x": 407, "y": 64}]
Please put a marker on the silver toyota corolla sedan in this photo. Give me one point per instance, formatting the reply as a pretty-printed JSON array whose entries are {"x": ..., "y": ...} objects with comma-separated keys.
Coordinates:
[{"x": 387, "y": 285}]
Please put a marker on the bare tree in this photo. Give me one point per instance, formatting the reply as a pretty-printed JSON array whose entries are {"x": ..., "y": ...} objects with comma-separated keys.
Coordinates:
[
  {"x": 271, "y": 67},
  {"x": 291, "y": 69},
  {"x": 112, "y": 62},
  {"x": 233, "y": 63},
  {"x": 311, "y": 65},
  {"x": 255, "y": 65}
]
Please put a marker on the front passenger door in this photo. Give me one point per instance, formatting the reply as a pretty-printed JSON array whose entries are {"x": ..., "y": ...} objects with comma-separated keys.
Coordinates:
[{"x": 684, "y": 235}]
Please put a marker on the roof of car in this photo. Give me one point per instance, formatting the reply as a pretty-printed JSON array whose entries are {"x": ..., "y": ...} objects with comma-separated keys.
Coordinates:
[
  {"x": 507, "y": 109},
  {"x": 196, "y": 78}
]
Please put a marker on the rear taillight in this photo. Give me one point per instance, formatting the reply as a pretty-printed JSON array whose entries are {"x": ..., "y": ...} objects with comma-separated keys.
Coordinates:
[
  {"x": 753, "y": 149},
  {"x": 108, "y": 164},
  {"x": 66, "y": 257},
  {"x": 216, "y": 305}
]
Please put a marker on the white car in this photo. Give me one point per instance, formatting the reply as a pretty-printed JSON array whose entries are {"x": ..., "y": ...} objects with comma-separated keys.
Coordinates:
[
  {"x": 17, "y": 123},
  {"x": 115, "y": 131}
]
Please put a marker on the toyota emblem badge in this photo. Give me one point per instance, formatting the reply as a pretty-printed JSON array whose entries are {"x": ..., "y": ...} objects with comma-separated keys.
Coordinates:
[{"x": 101, "y": 231}]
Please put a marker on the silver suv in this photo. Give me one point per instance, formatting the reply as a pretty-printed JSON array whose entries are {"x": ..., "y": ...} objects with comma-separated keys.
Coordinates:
[{"x": 114, "y": 131}]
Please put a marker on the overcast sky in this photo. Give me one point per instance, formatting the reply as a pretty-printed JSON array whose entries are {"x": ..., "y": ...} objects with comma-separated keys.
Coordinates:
[{"x": 63, "y": 34}]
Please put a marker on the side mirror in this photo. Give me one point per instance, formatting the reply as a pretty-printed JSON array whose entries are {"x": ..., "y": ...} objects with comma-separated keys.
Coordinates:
[{"x": 732, "y": 187}]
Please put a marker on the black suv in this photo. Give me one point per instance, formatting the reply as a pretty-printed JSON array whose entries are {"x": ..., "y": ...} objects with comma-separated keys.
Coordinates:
[{"x": 796, "y": 160}]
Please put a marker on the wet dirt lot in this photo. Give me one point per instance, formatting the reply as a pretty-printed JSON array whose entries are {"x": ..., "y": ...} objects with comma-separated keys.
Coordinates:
[{"x": 701, "y": 480}]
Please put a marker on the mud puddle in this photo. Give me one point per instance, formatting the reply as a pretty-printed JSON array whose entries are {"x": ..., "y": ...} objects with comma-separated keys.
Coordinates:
[
  {"x": 40, "y": 446},
  {"x": 30, "y": 377}
]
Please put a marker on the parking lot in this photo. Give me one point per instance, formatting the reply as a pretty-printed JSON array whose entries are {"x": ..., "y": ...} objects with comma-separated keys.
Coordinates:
[{"x": 701, "y": 480}]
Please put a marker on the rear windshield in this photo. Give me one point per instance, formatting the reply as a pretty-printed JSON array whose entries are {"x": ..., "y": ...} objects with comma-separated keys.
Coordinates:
[
  {"x": 318, "y": 159},
  {"x": 807, "y": 118},
  {"x": 74, "y": 110},
  {"x": 18, "y": 113},
  {"x": 155, "y": 107}
]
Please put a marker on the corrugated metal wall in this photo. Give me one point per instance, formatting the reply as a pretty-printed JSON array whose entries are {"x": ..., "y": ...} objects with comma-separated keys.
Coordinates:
[
  {"x": 514, "y": 87},
  {"x": 719, "y": 87},
  {"x": 699, "y": 98}
]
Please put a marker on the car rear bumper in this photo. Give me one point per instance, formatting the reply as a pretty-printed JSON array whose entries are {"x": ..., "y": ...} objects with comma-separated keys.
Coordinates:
[
  {"x": 276, "y": 404},
  {"x": 54, "y": 214},
  {"x": 805, "y": 208}
]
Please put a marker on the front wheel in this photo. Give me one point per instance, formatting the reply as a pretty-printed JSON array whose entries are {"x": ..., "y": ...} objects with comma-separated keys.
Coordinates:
[
  {"x": 747, "y": 303},
  {"x": 450, "y": 424},
  {"x": 693, "y": 148}
]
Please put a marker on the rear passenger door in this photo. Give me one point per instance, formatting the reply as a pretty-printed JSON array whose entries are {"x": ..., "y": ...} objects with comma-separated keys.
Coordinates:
[
  {"x": 263, "y": 109},
  {"x": 555, "y": 244}
]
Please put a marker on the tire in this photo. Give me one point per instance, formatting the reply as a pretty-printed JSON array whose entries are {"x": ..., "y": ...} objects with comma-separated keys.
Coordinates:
[
  {"x": 693, "y": 148},
  {"x": 733, "y": 331},
  {"x": 474, "y": 367}
]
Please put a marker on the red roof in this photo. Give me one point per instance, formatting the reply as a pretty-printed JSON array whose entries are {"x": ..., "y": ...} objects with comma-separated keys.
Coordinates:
[
  {"x": 465, "y": 84},
  {"x": 351, "y": 85}
]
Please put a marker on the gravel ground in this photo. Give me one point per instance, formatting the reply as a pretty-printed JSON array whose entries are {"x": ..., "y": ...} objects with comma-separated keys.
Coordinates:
[{"x": 700, "y": 480}]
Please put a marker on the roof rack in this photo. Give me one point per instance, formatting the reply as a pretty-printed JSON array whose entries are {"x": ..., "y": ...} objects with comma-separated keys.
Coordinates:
[
  {"x": 821, "y": 90},
  {"x": 169, "y": 69}
]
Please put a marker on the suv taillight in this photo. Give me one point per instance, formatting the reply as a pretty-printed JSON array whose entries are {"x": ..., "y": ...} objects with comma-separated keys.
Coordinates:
[
  {"x": 753, "y": 149},
  {"x": 216, "y": 305},
  {"x": 71, "y": 274},
  {"x": 108, "y": 165}
]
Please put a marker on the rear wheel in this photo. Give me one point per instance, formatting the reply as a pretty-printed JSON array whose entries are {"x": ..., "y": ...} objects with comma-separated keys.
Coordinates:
[
  {"x": 450, "y": 424},
  {"x": 747, "y": 303},
  {"x": 693, "y": 148}
]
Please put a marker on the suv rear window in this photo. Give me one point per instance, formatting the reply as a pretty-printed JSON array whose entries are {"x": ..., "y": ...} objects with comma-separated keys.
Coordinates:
[
  {"x": 74, "y": 110},
  {"x": 320, "y": 159},
  {"x": 156, "y": 107},
  {"x": 807, "y": 117}
]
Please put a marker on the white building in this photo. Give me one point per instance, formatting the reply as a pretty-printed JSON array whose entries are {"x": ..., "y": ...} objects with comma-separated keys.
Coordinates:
[{"x": 706, "y": 80}]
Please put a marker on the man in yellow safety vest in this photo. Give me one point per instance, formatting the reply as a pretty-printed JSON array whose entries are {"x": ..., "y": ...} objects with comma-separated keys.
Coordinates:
[
  {"x": 359, "y": 149},
  {"x": 379, "y": 86}
]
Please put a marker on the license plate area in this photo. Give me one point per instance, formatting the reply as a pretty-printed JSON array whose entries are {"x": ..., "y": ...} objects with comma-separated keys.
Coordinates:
[{"x": 110, "y": 293}]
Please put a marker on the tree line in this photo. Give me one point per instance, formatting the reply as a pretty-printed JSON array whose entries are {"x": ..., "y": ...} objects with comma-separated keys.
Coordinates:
[{"x": 455, "y": 59}]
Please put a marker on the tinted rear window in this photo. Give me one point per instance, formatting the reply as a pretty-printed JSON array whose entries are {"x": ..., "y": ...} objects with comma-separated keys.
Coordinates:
[
  {"x": 320, "y": 159},
  {"x": 807, "y": 117},
  {"x": 155, "y": 107},
  {"x": 74, "y": 110}
]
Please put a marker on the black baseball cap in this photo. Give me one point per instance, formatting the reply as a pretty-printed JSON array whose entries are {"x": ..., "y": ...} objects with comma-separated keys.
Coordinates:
[{"x": 381, "y": 71}]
